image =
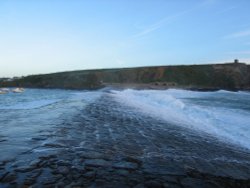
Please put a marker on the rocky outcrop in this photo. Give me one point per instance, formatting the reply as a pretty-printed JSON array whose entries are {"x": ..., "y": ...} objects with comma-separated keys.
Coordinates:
[{"x": 230, "y": 76}]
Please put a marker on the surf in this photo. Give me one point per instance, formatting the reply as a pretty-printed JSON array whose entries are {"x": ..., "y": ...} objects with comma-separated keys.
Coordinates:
[{"x": 223, "y": 114}]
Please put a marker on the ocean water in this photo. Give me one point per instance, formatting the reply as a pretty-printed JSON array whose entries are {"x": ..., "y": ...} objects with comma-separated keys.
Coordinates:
[
  {"x": 222, "y": 114},
  {"x": 38, "y": 112}
]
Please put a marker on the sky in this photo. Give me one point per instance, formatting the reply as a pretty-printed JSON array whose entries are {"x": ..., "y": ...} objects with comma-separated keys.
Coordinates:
[{"x": 45, "y": 36}]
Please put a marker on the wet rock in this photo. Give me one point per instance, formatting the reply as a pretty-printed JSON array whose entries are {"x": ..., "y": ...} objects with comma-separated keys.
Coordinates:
[
  {"x": 78, "y": 168},
  {"x": 29, "y": 181},
  {"x": 167, "y": 169},
  {"x": 36, "y": 173},
  {"x": 108, "y": 184},
  {"x": 46, "y": 157},
  {"x": 9, "y": 178},
  {"x": 91, "y": 155},
  {"x": 122, "y": 172},
  {"x": 63, "y": 163},
  {"x": 152, "y": 183},
  {"x": 25, "y": 169},
  {"x": 171, "y": 185},
  {"x": 39, "y": 138},
  {"x": 75, "y": 175},
  {"x": 53, "y": 166},
  {"x": 195, "y": 183},
  {"x": 52, "y": 145},
  {"x": 97, "y": 163},
  {"x": 3, "y": 174},
  {"x": 171, "y": 179},
  {"x": 49, "y": 181},
  {"x": 35, "y": 163},
  {"x": 60, "y": 184},
  {"x": 140, "y": 185},
  {"x": 125, "y": 165},
  {"x": 89, "y": 175},
  {"x": 63, "y": 170}
]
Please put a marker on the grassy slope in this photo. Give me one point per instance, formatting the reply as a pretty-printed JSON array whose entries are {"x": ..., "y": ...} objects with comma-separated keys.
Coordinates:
[{"x": 223, "y": 76}]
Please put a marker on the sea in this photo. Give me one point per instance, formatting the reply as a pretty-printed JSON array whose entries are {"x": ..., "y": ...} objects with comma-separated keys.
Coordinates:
[{"x": 36, "y": 113}]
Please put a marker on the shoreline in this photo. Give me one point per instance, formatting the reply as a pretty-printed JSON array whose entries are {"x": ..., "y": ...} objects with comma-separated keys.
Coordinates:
[
  {"x": 229, "y": 76},
  {"x": 163, "y": 86},
  {"x": 142, "y": 86}
]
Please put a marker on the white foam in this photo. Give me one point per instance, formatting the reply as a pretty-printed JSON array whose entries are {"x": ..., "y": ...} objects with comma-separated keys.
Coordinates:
[{"x": 179, "y": 107}]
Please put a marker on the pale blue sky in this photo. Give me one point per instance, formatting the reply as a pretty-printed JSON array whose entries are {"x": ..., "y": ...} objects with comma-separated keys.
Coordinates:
[{"x": 43, "y": 36}]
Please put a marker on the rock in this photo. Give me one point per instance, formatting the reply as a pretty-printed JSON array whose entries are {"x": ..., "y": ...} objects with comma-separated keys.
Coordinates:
[
  {"x": 91, "y": 155},
  {"x": 35, "y": 163},
  {"x": 171, "y": 185},
  {"x": 140, "y": 185},
  {"x": 9, "y": 178},
  {"x": 63, "y": 170},
  {"x": 125, "y": 165},
  {"x": 97, "y": 163},
  {"x": 63, "y": 163},
  {"x": 49, "y": 181},
  {"x": 122, "y": 172},
  {"x": 152, "y": 183},
  {"x": 60, "y": 184},
  {"x": 46, "y": 157},
  {"x": 29, "y": 181},
  {"x": 52, "y": 145},
  {"x": 38, "y": 138},
  {"x": 36, "y": 173},
  {"x": 172, "y": 179},
  {"x": 89, "y": 175},
  {"x": 25, "y": 169},
  {"x": 3, "y": 174},
  {"x": 75, "y": 176},
  {"x": 195, "y": 183}
]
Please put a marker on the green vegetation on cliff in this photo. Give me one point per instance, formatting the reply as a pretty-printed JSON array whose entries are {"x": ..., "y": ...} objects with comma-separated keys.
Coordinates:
[{"x": 231, "y": 76}]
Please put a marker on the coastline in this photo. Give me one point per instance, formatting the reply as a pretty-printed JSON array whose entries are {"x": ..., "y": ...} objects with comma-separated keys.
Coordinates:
[
  {"x": 163, "y": 86},
  {"x": 211, "y": 77}
]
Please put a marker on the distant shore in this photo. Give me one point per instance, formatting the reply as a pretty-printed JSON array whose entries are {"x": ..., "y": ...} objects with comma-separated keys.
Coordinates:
[
  {"x": 212, "y": 77},
  {"x": 162, "y": 86}
]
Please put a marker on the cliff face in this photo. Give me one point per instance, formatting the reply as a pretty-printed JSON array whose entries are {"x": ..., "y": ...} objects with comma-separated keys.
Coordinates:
[{"x": 231, "y": 76}]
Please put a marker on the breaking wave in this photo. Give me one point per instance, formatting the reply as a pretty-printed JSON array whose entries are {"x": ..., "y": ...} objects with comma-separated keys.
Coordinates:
[{"x": 223, "y": 114}]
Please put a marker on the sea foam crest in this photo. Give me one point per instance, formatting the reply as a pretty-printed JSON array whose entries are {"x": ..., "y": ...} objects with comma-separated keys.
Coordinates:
[{"x": 179, "y": 107}]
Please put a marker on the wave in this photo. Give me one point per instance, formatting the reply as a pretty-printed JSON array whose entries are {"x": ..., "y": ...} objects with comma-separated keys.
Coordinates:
[
  {"x": 38, "y": 98},
  {"x": 87, "y": 96},
  {"x": 181, "y": 108},
  {"x": 29, "y": 105}
]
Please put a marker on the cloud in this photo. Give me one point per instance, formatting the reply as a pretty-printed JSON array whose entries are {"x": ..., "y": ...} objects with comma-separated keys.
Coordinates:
[
  {"x": 240, "y": 34},
  {"x": 228, "y": 9},
  {"x": 160, "y": 23}
]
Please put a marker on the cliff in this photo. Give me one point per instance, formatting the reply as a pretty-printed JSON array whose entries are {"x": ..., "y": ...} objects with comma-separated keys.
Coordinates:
[{"x": 230, "y": 76}]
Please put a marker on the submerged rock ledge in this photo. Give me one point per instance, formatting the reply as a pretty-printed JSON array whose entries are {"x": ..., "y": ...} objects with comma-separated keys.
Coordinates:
[{"x": 102, "y": 146}]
